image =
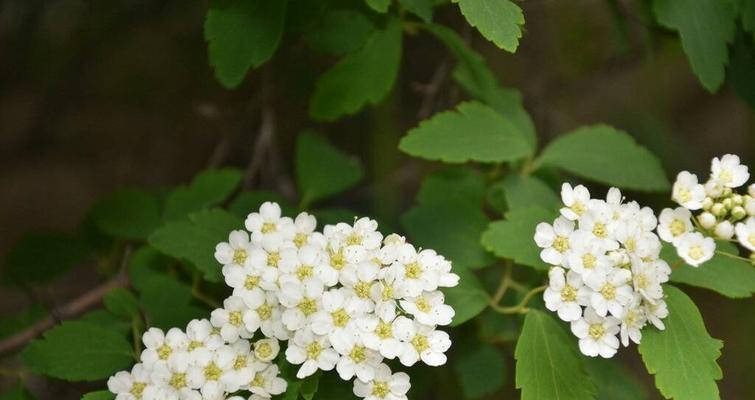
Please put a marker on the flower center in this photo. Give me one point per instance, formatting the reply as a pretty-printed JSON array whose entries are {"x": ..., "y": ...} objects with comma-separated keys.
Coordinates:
[
  {"x": 137, "y": 389},
  {"x": 235, "y": 318},
  {"x": 239, "y": 256},
  {"x": 362, "y": 289},
  {"x": 265, "y": 311},
  {"x": 304, "y": 272},
  {"x": 684, "y": 194},
  {"x": 178, "y": 380},
  {"x": 384, "y": 330},
  {"x": 596, "y": 331},
  {"x": 337, "y": 259},
  {"x": 263, "y": 350},
  {"x": 380, "y": 389},
  {"x": 163, "y": 352},
  {"x": 240, "y": 362},
  {"x": 423, "y": 305},
  {"x": 420, "y": 343},
  {"x": 387, "y": 292},
  {"x": 608, "y": 291},
  {"x": 561, "y": 244},
  {"x": 358, "y": 354},
  {"x": 588, "y": 261},
  {"x": 273, "y": 258},
  {"x": 251, "y": 282},
  {"x": 301, "y": 239},
  {"x": 725, "y": 176},
  {"x": 578, "y": 208},
  {"x": 568, "y": 293},
  {"x": 195, "y": 344},
  {"x": 599, "y": 230},
  {"x": 268, "y": 227},
  {"x": 313, "y": 350},
  {"x": 677, "y": 227},
  {"x": 308, "y": 306},
  {"x": 340, "y": 318},
  {"x": 354, "y": 239},
  {"x": 641, "y": 281},
  {"x": 258, "y": 381},
  {"x": 212, "y": 372},
  {"x": 696, "y": 252},
  {"x": 631, "y": 244},
  {"x": 413, "y": 270}
]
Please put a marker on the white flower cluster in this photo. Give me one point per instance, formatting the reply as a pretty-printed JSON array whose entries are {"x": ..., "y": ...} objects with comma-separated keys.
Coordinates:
[
  {"x": 607, "y": 276},
  {"x": 723, "y": 213},
  {"x": 345, "y": 299},
  {"x": 198, "y": 364}
]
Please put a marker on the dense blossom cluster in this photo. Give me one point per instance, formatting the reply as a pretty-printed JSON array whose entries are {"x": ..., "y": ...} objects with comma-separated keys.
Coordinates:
[
  {"x": 345, "y": 299},
  {"x": 722, "y": 212},
  {"x": 607, "y": 276}
]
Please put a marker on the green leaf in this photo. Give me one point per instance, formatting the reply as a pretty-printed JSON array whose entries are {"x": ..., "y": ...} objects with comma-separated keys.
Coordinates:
[
  {"x": 167, "y": 302},
  {"x": 17, "y": 392},
  {"x": 107, "y": 320},
  {"x": 128, "y": 214},
  {"x": 339, "y": 32},
  {"x": 548, "y": 366},
  {"x": 145, "y": 263},
  {"x": 208, "y": 188},
  {"x": 499, "y": 21},
  {"x": 592, "y": 153},
  {"x": 468, "y": 298},
  {"x": 40, "y": 257},
  {"x": 420, "y": 8},
  {"x": 614, "y": 381},
  {"x": 360, "y": 78},
  {"x": 99, "y": 395},
  {"x": 474, "y": 132},
  {"x": 742, "y": 64},
  {"x": 242, "y": 34},
  {"x": 309, "y": 386},
  {"x": 122, "y": 303},
  {"x": 12, "y": 324},
  {"x": 683, "y": 356},
  {"x": 380, "y": 6},
  {"x": 481, "y": 371},
  {"x": 705, "y": 27},
  {"x": 523, "y": 191},
  {"x": 727, "y": 276},
  {"x": 513, "y": 237},
  {"x": 195, "y": 240},
  {"x": 748, "y": 17},
  {"x": 78, "y": 351},
  {"x": 477, "y": 80},
  {"x": 323, "y": 170},
  {"x": 455, "y": 195}
]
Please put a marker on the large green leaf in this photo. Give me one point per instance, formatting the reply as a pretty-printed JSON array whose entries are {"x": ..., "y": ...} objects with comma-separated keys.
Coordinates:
[
  {"x": 524, "y": 191},
  {"x": 40, "y": 257},
  {"x": 105, "y": 319},
  {"x": 683, "y": 356},
  {"x": 360, "y": 78},
  {"x": 481, "y": 371},
  {"x": 208, "y": 188},
  {"x": 242, "y": 34},
  {"x": 547, "y": 363},
  {"x": 727, "y": 276},
  {"x": 195, "y": 240},
  {"x": 513, "y": 237},
  {"x": 607, "y": 155},
  {"x": 167, "y": 302},
  {"x": 79, "y": 351},
  {"x": 706, "y": 27},
  {"x": 613, "y": 380},
  {"x": 449, "y": 219},
  {"x": 474, "y": 132},
  {"x": 323, "y": 170},
  {"x": 499, "y": 21},
  {"x": 122, "y": 303},
  {"x": 468, "y": 298},
  {"x": 478, "y": 80},
  {"x": 127, "y": 213},
  {"x": 339, "y": 32}
]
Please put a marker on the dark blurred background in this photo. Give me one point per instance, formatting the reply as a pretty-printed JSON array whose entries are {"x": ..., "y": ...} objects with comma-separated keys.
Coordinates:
[{"x": 98, "y": 95}]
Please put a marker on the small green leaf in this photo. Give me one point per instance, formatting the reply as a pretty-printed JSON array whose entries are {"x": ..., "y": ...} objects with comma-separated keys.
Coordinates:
[
  {"x": 167, "y": 302},
  {"x": 420, "y": 8},
  {"x": 455, "y": 195},
  {"x": 242, "y": 34},
  {"x": 524, "y": 191},
  {"x": 128, "y": 214},
  {"x": 468, "y": 298},
  {"x": 499, "y": 21},
  {"x": 481, "y": 371},
  {"x": 12, "y": 324},
  {"x": 339, "y": 32},
  {"x": 78, "y": 351},
  {"x": 17, "y": 392},
  {"x": 208, "y": 188},
  {"x": 360, "y": 78},
  {"x": 195, "y": 240},
  {"x": 513, "y": 237},
  {"x": 727, "y": 276},
  {"x": 40, "y": 257},
  {"x": 99, "y": 395},
  {"x": 592, "y": 152},
  {"x": 323, "y": 170},
  {"x": 474, "y": 132},
  {"x": 683, "y": 356},
  {"x": 122, "y": 303},
  {"x": 547, "y": 363},
  {"x": 614, "y": 381},
  {"x": 380, "y": 6},
  {"x": 706, "y": 27}
]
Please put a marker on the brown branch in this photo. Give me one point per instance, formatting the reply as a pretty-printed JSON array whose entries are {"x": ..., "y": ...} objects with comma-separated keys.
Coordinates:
[{"x": 431, "y": 89}]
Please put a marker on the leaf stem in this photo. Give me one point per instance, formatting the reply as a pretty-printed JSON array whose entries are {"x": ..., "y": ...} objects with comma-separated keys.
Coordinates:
[
  {"x": 503, "y": 286},
  {"x": 520, "y": 308}
]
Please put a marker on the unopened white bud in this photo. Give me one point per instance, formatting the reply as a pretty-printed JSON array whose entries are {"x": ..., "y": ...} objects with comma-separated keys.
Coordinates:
[
  {"x": 718, "y": 210},
  {"x": 724, "y": 230},
  {"x": 738, "y": 199},
  {"x": 266, "y": 349},
  {"x": 707, "y": 220},
  {"x": 728, "y": 203},
  {"x": 751, "y": 190},
  {"x": 707, "y": 203},
  {"x": 750, "y": 206},
  {"x": 738, "y": 212}
]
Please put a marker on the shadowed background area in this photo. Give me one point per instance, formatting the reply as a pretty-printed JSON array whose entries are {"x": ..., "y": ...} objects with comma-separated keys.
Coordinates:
[{"x": 100, "y": 95}]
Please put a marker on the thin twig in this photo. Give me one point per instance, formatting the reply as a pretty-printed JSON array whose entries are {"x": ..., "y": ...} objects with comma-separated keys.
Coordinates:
[
  {"x": 520, "y": 308},
  {"x": 431, "y": 89}
]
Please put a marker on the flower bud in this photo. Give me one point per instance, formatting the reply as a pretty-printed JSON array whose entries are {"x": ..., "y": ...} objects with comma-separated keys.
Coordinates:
[
  {"x": 727, "y": 203},
  {"x": 750, "y": 206},
  {"x": 707, "y": 220},
  {"x": 738, "y": 199},
  {"x": 718, "y": 210},
  {"x": 266, "y": 349},
  {"x": 707, "y": 203},
  {"x": 724, "y": 230},
  {"x": 738, "y": 212},
  {"x": 751, "y": 190},
  {"x": 713, "y": 189},
  {"x": 726, "y": 192}
]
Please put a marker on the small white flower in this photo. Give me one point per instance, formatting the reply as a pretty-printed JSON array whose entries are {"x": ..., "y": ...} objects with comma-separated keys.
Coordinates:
[
  {"x": 304, "y": 229},
  {"x": 266, "y": 317},
  {"x": 429, "y": 308},
  {"x": 412, "y": 272},
  {"x": 632, "y": 322},
  {"x": 724, "y": 230},
  {"x": 172, "y": 378},
  {"x": 554, "y": 240},
  {"x": 202, "y": 338},
  {"x": 300, "y": 264},
  {"x": 131, "y": 385},
  {"x": 158, "y": 346},
  {"x": 421, "y": 342},
  {"x": 266, "y": 349},
  {"x": 206, "y": 373},
  {"x": 384, "y": 386},
  {"x": 576, "y": 201},
  {"x": 597, "y": 335},
  {"x": 312, "y": 352},
  {"x": 706, "y": 220},
  {"x": 356, "y": 359},
  {"x": 246, "y": 282},
  {"x": 301, "y": 302},
  {"x": 565, "y": 294},
  {"x": 611, "y": 292},
  {"x": 687, "y": 192},
  {"x": 587, "y": 256},
  {"x": 379, "y": 334},
  {"x": 674, "y": 223},
  {"x": 656, "y": 312},
  {"x": 647, "y": 278},
  {"x": 746, "y": 233},
  {"x": 234, "y": 252},
  {"x": 230, "y": 319},
  {"x": 268, "y": 223},
  {"x": 267, "y": 383},
  {"x": 728, "y": 171},
  {"x": 695, "y": 248},
  {"x": 339, "y": 309},
  {"x": 244, "y": 367}
]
